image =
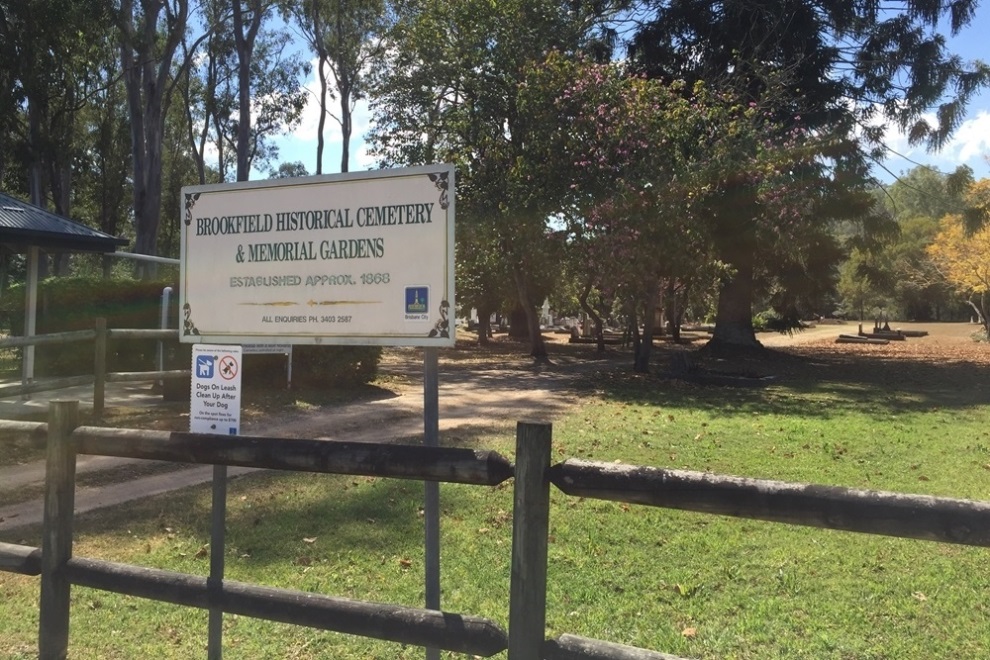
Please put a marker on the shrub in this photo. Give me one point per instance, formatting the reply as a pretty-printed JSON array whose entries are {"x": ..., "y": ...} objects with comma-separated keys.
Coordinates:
[
  {"x": 74, "y": 303},
  {"x": 334, "y": 365}
]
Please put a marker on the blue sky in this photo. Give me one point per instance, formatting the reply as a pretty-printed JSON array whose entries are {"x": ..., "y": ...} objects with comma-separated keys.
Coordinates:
[{"x": 970, "y": 145}]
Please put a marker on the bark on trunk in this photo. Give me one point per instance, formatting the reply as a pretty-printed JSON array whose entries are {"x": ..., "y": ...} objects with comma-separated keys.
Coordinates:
[
  {"x": 673, "y": 311},
  {"x": 537, "y": 347},
  {"x": 321, "y": 125},
  {"x": 484, "y": 327},
  {"x": 734, "y": 315},
  {"x": 734, "y": 318},
  {"x": 643, "y": 344},
  {"x": 599, "y": 329}
]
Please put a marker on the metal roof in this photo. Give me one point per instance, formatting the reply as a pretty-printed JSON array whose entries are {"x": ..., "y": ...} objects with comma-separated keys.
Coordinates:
[{"x": 24, "y": 225}]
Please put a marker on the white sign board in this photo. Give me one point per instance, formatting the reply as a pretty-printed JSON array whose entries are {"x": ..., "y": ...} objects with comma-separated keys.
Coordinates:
[
  {"x": 216, "y": 389},
  {"x": 360, "y": 258}
]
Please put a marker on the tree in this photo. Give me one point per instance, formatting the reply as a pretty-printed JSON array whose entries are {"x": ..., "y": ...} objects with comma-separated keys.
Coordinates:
[
  {"x": 637, "y": 167},
  {"x": 346, "y": 36},
  {"x": 208, "y": 89},
  {"x": 918, "y": 199},
  {"x": 964, "y": 261},
  {"x": 52, "y": 53},
  {"x": 447, "y": 90},
  {"x": 247, "y": 18},
  {"x": 150, "y": 34},
  {"x": 848, "y": 63},
  {"x": 289, "y": 170},
  {"x": 102, "y": 185}
]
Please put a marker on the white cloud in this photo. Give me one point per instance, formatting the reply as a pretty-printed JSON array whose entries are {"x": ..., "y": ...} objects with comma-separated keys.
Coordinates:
[
  {"x": 300, "y": 145},
  {"x": 969, "y": 145}
]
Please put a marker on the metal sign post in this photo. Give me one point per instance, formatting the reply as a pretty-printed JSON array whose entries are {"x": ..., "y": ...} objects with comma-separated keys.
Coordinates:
[
  {"x": 431, "y": 507},
  {"x": 216, "y": 408}
]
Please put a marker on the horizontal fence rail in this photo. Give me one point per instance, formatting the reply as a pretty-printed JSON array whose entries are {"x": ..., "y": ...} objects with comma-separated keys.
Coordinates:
[
  {"x": 101, "y": 334},
  {"x": 395, "y": 623},
  {"x": 875, "y": 512},
  {"x": 139, "y": 376},
  {"x": 22, "y": 559},
  {"x": 142, "y": 333},
  {"x": 866, "y": 511},
  {"x": 46, "y": 385},
  {"x": 572, "y": 647},
  {"x": 51, "y": 338},
  {"x": 446, "y": 464},
  {"x": 15, "y": 433}
]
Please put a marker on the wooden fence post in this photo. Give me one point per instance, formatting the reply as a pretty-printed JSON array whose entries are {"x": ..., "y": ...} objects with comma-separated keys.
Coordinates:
[
  {"x": 530, "y": 528},
  {"x": 56, "y": 544},
  {"x": 100, "y": 367}
]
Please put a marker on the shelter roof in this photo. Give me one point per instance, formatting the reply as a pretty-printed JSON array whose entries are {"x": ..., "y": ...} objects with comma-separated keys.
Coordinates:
[{"x": 23, "y": 225}]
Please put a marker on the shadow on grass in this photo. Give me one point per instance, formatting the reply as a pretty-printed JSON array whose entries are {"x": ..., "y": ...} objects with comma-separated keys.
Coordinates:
[
  {"x": 273, "y": 518},
  {"x": 864, "y": 383}
]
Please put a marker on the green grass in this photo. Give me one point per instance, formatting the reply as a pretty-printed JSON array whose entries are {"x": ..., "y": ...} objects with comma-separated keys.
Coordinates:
[{"x": 679, "y": 582}]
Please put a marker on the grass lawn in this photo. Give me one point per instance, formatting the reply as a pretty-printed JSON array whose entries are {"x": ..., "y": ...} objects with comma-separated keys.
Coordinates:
[{"x": 910, "y": 418}]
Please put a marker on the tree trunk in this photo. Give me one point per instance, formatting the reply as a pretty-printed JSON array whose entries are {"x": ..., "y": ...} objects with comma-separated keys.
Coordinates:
[
  {"x": 734, "y": 318},
  {"x": 146, "y": 60},
  {"x": 484, "y": 326},
  {"x": 734, "y": 314},
  {"x": 244, "y": 43},
  {"x": 346, "y": 124},
  {"x": 982, "y": 313},
  {"x": 538, "y": 349},
  {"x": 673, "y": 310},
  {"x": 599, "y": 329},
  {"x": 643, "y": 344},
  {"x": 321, "y": 125},
  {"x": 518, "y": 323}
]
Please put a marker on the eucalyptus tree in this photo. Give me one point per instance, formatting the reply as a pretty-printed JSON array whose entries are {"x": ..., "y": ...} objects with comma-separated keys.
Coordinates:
[
  {"x": 102, "y": 186},
  {"x": 49, "y": 55},
  {"x": 247, "y": 17},
  {"x": 447, "y": 89},
  {"x": 150, "y": 33},
  {"x": 346, "y": 36},
  {"x": 11, "y": 93},
  {"x": 209, "y": 89},
  {"x": 852, "y": 66},
  {"x": 230, "y": 114}
]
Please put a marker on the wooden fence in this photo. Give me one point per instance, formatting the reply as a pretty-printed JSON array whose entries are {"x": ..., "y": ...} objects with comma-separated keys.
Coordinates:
[
  {"x": 102, "y": 335},
  {"x": 890, "y": 514}
]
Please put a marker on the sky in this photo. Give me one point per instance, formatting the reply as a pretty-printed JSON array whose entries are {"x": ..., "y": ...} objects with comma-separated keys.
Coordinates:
[{"x": 969, "y": 145}]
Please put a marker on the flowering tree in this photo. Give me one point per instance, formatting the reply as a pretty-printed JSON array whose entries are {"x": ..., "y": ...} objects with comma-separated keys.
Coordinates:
[
  {"x": 963, "y": 257},
  {"x": 449, "y": 91},
  {"x": 642, "y": 171}
]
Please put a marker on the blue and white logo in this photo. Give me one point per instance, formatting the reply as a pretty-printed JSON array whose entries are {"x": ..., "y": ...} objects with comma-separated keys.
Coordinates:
[
  {"x": 417, "y": 299},
  {"x": 204, "y": 366}
]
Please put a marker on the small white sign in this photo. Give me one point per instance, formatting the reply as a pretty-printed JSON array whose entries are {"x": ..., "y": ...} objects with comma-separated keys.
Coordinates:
[{"x": 215, "y": 400}]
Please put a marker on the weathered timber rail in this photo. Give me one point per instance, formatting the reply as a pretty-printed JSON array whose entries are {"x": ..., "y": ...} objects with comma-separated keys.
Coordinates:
[
  {"x": 890, "y": 514},
  {"x": 101, "y": 335}
]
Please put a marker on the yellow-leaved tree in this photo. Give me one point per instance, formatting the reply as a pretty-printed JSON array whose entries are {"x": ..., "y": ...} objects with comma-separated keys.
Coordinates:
[{"x": 962, "y": 253}]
